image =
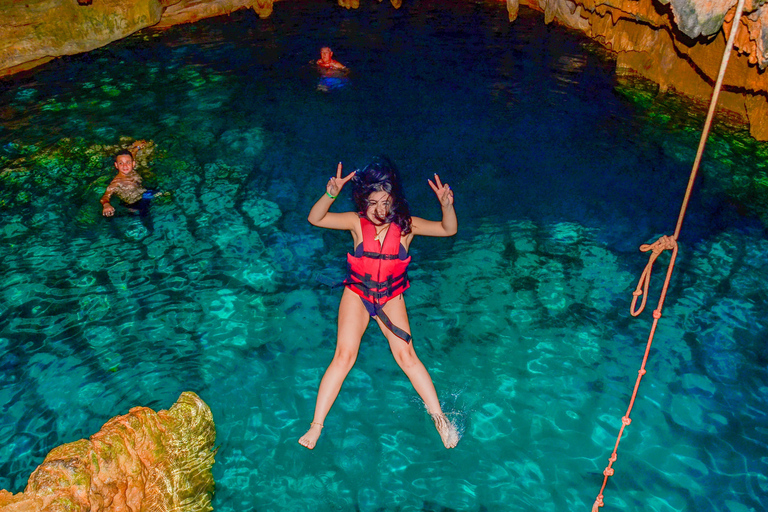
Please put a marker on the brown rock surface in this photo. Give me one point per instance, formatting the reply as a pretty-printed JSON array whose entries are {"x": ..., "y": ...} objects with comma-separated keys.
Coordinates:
[
  {"x": 140, "y": 461},
  {"x": 35, "y": 31},
  {"x": 187, "y": 11},
  {"x": 680, "y": 44}
]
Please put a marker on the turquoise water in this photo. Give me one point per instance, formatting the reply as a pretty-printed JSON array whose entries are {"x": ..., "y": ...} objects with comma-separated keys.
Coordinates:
[{"x": 522, "y": 318}]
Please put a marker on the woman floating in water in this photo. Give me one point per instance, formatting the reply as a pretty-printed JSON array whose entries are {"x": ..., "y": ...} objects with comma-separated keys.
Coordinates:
[{"x": 382, "y": 230}]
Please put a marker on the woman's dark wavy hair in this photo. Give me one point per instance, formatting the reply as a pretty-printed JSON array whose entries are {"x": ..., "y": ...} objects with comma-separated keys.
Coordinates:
[{"x": 382, "y": 175}]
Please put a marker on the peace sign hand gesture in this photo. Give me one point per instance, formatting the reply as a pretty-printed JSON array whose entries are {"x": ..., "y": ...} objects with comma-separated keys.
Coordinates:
[
  {"x": 335, "y": 184},
  {"x": 442, "y": 191}
]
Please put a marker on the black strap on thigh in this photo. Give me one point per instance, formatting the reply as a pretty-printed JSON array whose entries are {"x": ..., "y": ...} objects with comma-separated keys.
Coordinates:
[{"x": 389, "y": 325}]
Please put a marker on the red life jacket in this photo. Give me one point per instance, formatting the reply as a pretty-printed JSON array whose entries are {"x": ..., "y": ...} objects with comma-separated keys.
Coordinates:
[{"x": 379, "y": 274}]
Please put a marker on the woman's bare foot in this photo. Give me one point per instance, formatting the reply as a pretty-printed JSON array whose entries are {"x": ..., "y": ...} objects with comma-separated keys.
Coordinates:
[
  {"x": 309, "y": 440},
  {"x": 446, "y": 429}
]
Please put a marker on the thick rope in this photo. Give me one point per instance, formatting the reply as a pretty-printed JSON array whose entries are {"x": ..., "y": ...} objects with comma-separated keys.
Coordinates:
[{"x": 667, "y": 243}]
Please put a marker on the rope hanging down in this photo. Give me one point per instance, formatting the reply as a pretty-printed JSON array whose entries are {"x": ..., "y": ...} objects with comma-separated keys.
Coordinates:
[{"x": 667, "y": 243}]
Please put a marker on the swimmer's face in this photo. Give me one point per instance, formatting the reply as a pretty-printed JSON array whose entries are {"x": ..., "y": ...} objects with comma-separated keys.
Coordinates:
[
  {"x": 379, "y": 204},
  {"x": 124, "y": 164},
  {"x": 326, "y": 54}
]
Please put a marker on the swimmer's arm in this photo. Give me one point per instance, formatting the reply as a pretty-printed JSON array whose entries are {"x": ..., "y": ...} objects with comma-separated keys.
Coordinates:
[{"x": 107, "y": 209}]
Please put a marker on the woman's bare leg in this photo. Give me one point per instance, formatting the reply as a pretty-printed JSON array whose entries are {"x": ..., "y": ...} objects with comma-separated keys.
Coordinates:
[
  {"x": 353, "y": 319},
  {"x": 406, "y": 358}
]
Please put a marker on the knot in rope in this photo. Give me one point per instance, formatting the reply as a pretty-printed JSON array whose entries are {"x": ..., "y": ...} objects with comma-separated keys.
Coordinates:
[
  {"x": 598, "y": 503},
  {"x": 662, "y": 244},
  {"x": 665, "y": 242}
]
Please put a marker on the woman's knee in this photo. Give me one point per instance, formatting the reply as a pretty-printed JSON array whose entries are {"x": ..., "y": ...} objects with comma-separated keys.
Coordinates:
[
  {"x": 407, "y": 359},
  {"x": 344, "y": 359}
]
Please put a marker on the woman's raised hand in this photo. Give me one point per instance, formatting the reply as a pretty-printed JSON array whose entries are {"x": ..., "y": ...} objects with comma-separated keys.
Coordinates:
[
  {"x": 442, "y": 191},
  {"x": 335, "y": 183}
]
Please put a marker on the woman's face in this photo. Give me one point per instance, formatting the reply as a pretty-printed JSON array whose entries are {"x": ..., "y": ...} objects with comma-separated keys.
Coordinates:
[{"x": 379, "y": 204}]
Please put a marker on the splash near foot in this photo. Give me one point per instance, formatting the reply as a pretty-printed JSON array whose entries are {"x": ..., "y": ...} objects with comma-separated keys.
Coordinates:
[{"x": 447, "y": 430}]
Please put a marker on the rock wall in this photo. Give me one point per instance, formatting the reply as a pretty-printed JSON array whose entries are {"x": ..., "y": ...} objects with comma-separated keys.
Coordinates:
[
  {"x": 676, "y": 43},
  {"x": 36, "y": 31},
  {"x": 187, "y": 11},
  {"x": 141, "y": 461},
  {"x": 679, "y": 44}
]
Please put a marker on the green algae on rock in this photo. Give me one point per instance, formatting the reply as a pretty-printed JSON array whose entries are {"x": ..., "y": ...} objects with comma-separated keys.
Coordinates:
[{"x": 733, "y": 160}]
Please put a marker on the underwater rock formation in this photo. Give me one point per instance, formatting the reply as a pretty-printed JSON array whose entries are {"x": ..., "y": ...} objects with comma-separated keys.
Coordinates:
[
  {"x": 140, "y": 461},
  {"x": 675, "y": 43}
]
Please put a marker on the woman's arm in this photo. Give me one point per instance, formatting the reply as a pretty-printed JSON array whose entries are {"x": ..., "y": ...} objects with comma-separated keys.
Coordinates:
[
  {"x": 446, "y": 227},
  {"x": 319, "y": 214}
]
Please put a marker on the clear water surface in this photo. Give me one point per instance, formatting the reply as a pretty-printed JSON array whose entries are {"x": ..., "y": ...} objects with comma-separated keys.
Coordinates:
[{"x": 522, "y": 318}]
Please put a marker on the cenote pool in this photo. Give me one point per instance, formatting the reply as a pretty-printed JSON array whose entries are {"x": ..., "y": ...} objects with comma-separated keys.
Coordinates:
[{"x": 561, "y": 171}]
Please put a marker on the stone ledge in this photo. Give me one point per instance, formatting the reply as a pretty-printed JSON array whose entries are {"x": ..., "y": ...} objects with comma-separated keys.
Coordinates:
[{"x": 140, "y": 461}]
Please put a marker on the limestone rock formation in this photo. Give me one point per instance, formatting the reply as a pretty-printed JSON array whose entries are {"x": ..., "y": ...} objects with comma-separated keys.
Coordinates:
[
  {"x": 36, "y": 31},
  {"x": 187, "y": 11},
  {"x": 140, "y": 461},
  {"x": 679, "y": 44}
]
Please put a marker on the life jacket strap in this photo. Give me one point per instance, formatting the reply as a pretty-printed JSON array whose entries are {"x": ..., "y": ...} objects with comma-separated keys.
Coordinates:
[
  {"x": 400, "y": 333},
  {"x": 377, "y": 289},
  {"x": 380, "y": 256}
]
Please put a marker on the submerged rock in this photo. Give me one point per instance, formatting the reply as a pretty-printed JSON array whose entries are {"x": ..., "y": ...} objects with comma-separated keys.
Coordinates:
[{"x": 140, "y": 461}]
